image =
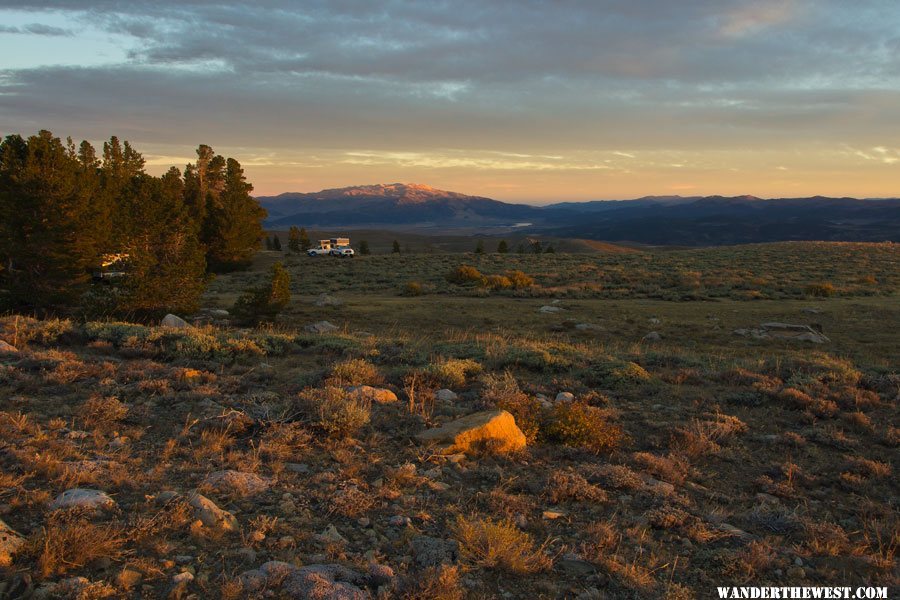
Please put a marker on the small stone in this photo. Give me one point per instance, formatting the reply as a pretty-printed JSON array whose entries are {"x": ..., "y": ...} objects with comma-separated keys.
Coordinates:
[
  {"x": 445, "y": 395},
  {"x": 653, "y": 336},
  {"x": 553, "y": 514},
  {"x": 372, "y": 394},
  {"x": 565, "y": 397},
  {"x": 798, "y": 561},
  {"x": 399, "y": 521},
  {"x": 331, "y": 535},
  {"x": 550, "y": 309},
  {"x": 301, "y": 468}
]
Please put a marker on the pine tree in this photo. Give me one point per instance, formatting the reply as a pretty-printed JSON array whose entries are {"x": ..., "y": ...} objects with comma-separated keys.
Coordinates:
[
  {"x": 502, "y": 247},
  {"x": 305, "y": 244},
  {"x": 166, "y": 262},
  {"x": 265, "y": 302},
  {"x": 276, "y": 243},
  {"x": 233, "y": 225},
  {"x": 520, "y": 249},
  {"x": 396, "y": 247},
  {"x": 479, "y": 247},
  {"x": 46, "y": 246},
  {"x": 536, "y": 247},
  {"x": 364, "y": 248},
  {"x": 294, "y": 239},
  {"x": 550, "y": 250}
]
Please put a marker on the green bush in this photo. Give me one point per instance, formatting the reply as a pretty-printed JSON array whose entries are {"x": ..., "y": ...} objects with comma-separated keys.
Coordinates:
[
  {"x": 354, "y": 372},
  {"x": 453, "y": 372}
]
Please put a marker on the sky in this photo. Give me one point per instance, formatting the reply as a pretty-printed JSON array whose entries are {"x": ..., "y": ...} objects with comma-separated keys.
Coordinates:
[{"x": 518, "y": 100}]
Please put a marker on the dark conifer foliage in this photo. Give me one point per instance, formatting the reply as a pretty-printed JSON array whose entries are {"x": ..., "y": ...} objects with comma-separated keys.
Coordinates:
[{"x": 64, "y": 211}]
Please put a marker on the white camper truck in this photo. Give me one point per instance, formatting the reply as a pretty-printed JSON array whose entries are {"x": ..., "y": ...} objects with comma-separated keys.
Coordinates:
[{"x": 333, "y": 247}]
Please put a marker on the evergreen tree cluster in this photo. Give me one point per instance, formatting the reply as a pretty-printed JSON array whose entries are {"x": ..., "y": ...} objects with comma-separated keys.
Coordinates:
[{"x": 64, "y": 211}]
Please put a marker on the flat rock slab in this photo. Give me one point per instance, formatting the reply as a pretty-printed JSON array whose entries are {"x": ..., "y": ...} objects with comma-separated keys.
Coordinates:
[
  {"x": 784, "y": 331},
  {"x": 495, "y": 427},
  {"x": 238, "y": 483},
  {"x": 550, "y": 309},
  {"x": 327, "y": 300},
  {"x": 371, "y": 394},
  {"x": 6, "y": 348},
  {"x": 445, "y": 395},
  {"x": 211, "y": 518},
  {"x": 83, "y": 498},
  {"x": 311, "y": 582},
  {"x": 320, "y": 327}
]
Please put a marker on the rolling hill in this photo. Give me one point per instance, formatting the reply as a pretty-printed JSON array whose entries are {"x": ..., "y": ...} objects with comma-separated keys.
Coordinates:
[{"x": 654, "y": 220}]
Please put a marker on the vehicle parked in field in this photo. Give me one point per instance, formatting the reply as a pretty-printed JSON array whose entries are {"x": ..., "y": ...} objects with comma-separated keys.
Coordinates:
[
  {"x": 343, "y": 252},
  {"x": 332, "y": 247}
]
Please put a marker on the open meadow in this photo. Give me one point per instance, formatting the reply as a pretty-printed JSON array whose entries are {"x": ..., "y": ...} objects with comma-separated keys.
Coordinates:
[{"x": 656, "y": 453}]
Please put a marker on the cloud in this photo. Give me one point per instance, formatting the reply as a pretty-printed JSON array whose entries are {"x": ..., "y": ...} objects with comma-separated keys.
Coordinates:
[
  {"x": 36, "y": 29},
  {"x": 506, "y": 84}
]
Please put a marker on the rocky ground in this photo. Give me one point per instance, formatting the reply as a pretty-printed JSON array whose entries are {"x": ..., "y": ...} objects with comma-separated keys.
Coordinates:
[{"x": 329, "y": 462}]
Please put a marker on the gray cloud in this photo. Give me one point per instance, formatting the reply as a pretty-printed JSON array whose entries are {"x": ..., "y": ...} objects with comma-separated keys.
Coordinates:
[
  {"x": 500, "y": 75},
  {"x": 35, "y": 29}
]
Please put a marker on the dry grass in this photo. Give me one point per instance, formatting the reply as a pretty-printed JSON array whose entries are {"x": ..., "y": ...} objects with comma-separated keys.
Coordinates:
[
  {"x": 69, "y": 542},
  {"x": 499, "y": 545}
]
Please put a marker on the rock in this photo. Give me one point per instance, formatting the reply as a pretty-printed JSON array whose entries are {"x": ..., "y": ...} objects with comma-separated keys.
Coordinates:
[
  {"x": 83, "y": 498},
  {"x": 653, "y": 336},
  {"x": 433, "y": 552},
  {"x": 219, "y": 313},
  {"x": 575, "y": 566},
  {"x": 326, "y": 582},
  {"x": 238, "y": 483},
  {"x": 6, "y": 348},
  {"x": 812, "y": 311},
  {"x": 320, "y": 327},
  {"x": 497, "y": 427},
  {"x": 784, "y": 331},
  {"x": 173, "y": 321},
  {"x": 588, "y": 327},
  {"x": 331, "y": 536},
  {"x": 301, "y": 468},
  {"x": 211, "y": 518},
  {"x": 653, "y": 321},
  {"x": 796, "y": 573},
  {"x": 128, "y": 578},
  {"x": 399, "y": 521},
  {"x": 550, "y": 309},
  {"x": 552, "y": 515},
  {"x": 326, "y": 300},
  {"x": 10, "y": 542},
  {"x": 565, "y": 397},
  {"x": 312, "y": 582},
  {"x": 380, "y": 575},
  {"x": 445, "y": 395},
  {"x": 371, "y": 394}
]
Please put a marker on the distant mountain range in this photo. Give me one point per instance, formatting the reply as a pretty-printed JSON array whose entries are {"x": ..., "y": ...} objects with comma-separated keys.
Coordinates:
[{"x": 654, "y": 220}]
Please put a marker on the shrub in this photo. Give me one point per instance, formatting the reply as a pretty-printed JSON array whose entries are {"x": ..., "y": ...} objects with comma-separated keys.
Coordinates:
[
  {"x": 819, "y": 290},
  {"x": 466, "y": 275},
  {"x": 578, "y": 425},
  {"x": 453, "y": 372},
  {"x": 71, "y": 542},
  {"x": 102, "y": 411},
  {"x": 335, "y": 412},
  {"x": 519, "y": 279},
  {"x": 413, "y": 288},
  {"x": 434, "y": 583},
  {"x": 562, "y": 486},
  {"x": 499, "y": 545},
  {"x": 504, "y": 393},
  {"x": 499, "y": 282},
  {"x": 354, "y": 372}
]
